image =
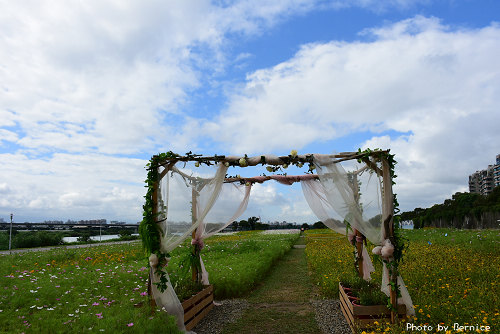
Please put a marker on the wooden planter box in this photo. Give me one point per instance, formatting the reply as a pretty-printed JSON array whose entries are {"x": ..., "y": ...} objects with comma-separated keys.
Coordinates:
[
  {"x": 361, "y": 317},
  {"x": 196, "y": 307}
]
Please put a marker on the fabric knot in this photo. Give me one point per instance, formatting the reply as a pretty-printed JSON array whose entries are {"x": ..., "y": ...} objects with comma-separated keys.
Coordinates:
[
  {"x": 198, "y": 241},
  {"x": 387, "y": 249},
  {"x": 351, "y": 237}
]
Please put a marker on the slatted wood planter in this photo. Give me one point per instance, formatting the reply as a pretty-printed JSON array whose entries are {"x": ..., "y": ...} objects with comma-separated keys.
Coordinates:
[
  {"x": 196, "y": 307},
  {"x": 360, "y": 317}
]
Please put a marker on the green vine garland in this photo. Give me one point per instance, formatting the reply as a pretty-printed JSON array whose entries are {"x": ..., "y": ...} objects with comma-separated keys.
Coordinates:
[{"x": 149, "y": 229}]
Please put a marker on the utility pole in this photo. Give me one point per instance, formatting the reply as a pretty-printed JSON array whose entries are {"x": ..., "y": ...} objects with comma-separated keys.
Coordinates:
[{"x": 10, "y": 234}]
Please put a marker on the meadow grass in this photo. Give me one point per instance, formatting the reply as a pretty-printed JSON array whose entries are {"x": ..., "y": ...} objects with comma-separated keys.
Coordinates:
[
  {"x": 451, "y": 275},
  {"x": 103, "y": 288}
]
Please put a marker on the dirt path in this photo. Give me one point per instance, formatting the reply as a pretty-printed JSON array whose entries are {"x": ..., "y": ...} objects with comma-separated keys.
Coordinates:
[{"x": 281, "y": 304}]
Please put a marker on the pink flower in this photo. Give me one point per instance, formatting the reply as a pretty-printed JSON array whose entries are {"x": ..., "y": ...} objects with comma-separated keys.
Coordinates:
[
  {"x": 99, "y": 315},
  {"x": 130, "y": 325},
  {"x": 95, "y": 304}
]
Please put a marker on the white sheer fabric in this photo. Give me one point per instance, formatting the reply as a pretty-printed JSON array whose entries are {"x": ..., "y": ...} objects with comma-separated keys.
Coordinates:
[
  {"x": 363, "y": 214},
  {"x": 233, "y": 201},
  {"x": 362, "y": 210},
  {"x": 316, "y": 197},
  {"x": 177, "y": 224},
  {"x": 405, "y": 295}
]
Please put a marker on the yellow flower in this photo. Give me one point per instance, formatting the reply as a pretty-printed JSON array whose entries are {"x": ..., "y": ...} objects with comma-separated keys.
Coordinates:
[{"x": 293, "y": 153}]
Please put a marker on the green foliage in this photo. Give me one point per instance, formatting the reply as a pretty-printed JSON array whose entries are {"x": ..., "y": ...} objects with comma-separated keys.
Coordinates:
[
  {"x": 31, "y": 239},
  {"x": 454, "y": 212},
  {"x": 85, "y": 237},
  {"x": 451, "y": 274},
  {"x": 97, "y": 289},
  {"x": 319, "y": 225},
  {"x": 235, "y": 263}
]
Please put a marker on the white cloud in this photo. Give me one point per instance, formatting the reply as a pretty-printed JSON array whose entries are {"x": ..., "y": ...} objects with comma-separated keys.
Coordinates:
[
  {"x": 73, "y": 186},
  {"x": 439, "y": 85},
  {"x": 112, "y": 70},
  {"x": 86, "y": 83}
]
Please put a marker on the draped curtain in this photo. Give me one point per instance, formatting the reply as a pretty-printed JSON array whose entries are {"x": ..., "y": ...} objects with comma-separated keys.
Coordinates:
[
  {"x": 233, "y": 201},
  {"x": 355, "y": 197},
  {"x": 187, "y": 189}
]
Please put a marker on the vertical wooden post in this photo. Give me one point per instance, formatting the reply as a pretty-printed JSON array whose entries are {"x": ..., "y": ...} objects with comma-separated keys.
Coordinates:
[
  {"x": 359, "y": 250},
  {"x": 152, "y": 301},
  {"x": 388, "y": 204},
  {"x": 359, "y": 236},
  {"x": 194, "y": 204}
]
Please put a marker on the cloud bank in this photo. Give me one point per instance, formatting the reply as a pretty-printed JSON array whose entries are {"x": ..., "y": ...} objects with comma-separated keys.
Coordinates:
[{"x": 90, "y": 90}]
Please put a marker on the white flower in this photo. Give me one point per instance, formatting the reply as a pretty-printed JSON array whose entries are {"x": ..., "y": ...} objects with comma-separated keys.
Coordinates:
[
  {"x": 269, "y": 168},
  {"x": 243, "y": 162},
  {"x": 293, "y": 153}
]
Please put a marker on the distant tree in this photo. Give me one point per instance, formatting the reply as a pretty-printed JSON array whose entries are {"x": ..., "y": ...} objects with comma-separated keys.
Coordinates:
[
  {"x": 318, "y": 225},
  {"x": 244, "y": 225},
  {"x": 252, "y": 221},
  {"x": 305, "y": 226},
  {"x": 234, "y": 226}
]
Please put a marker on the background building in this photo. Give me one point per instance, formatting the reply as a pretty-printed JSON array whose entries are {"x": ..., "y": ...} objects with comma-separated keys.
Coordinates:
[
  {"x": 483, "y": 181},
  {"x": 496, "y": 172}
]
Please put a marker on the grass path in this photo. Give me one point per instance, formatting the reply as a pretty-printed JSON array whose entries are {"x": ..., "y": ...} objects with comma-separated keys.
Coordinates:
[{"x": 281, "y": 304}]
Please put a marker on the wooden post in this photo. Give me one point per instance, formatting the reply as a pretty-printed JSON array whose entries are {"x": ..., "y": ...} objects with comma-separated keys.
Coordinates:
[
  {"x": 152, "y": 301},
  {"x": 359, "y": 236},
  {"x": 359, "y": 250},
  {"x": 388, "y": 205},
  {"x": 194, "y": 201}
]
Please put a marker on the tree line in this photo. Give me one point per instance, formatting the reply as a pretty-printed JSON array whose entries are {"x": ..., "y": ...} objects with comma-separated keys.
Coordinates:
[
  {"x": 253, "y": 223},
  {"x": 463, "y": 210}
]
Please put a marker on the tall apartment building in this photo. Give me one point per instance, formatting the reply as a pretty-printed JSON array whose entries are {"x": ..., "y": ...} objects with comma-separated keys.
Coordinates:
[
  {"x": 483, "y": 181},
  {"x": 496, "y": 172}
]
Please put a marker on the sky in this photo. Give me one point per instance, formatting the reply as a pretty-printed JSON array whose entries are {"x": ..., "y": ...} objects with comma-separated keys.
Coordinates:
[{"x": 90, "y": 90}]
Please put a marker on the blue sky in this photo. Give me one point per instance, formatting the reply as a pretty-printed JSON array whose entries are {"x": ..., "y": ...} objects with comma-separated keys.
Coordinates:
[{"x": 89, "y": 91}]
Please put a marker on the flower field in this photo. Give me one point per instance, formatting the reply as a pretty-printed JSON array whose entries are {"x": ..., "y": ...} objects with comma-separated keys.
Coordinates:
[
  {"x": 103, "y": 288},
  {"x": 452, "y": 275}
]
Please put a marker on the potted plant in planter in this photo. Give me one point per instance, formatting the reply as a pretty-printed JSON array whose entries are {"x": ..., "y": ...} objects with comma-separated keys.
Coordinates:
[
  {"x": 196, "y": 299},
  {"x": 362, "y": 303}
]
